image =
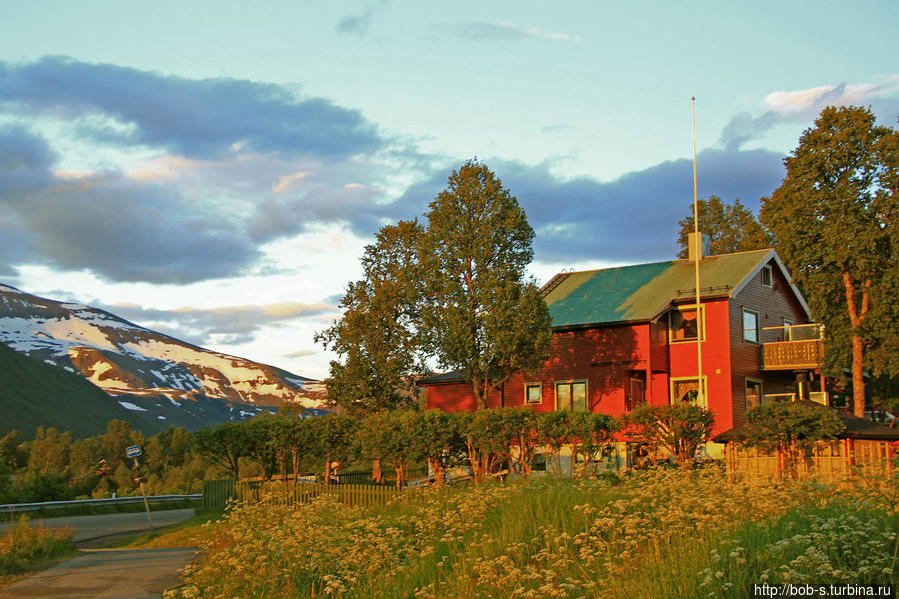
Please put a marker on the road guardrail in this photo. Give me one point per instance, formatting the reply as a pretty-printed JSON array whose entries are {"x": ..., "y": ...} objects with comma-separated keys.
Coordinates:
[{"x": 11, "y": 508}]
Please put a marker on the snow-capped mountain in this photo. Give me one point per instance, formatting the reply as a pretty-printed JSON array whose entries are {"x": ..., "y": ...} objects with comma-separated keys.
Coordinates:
[{"x": 130, "y": 362}]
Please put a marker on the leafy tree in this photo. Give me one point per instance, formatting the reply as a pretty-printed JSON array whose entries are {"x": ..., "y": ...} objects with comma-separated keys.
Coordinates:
[
  {"x": 483, "y": 433},
  {"x": 118, "y": 436},
  {"x": 291, "y": 440},
  {"x": 730, "y": 228},
  {"x": 224, "y": 444},
  {"x": 481, "y": 315},
  {"x": 377, "y": 334},
  {"x": 12, "y": 455},
  {"x": 333, "y": 439},
  {"x": 390, "y": 436},
  {"x": 680, "y": 429},
  {"x": 834, "y": 218},
  {"x": 556, "y": 432},
  {"x": 49, "y": 451},
  {"x": 260, "y": 432},
  {"x": 438, "y": 438},
  {"x": 592, "y": 436},
  {"x": 519, "y": 430},
  {"x": 791, "y": 427}
]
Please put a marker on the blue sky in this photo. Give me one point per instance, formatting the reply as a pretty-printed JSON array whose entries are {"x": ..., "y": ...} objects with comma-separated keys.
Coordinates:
[{"x": 216, "y": 173}]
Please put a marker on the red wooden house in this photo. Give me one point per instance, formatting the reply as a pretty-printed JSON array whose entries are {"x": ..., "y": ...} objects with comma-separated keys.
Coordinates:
[{"x": 627, "y": 335}]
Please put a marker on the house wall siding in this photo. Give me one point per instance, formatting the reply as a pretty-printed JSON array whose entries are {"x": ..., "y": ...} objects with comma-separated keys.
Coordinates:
[
  {"x": 773, "y": 304},
  {"x": 606, "y": 357},
  {"x": 716, "y": 365}
]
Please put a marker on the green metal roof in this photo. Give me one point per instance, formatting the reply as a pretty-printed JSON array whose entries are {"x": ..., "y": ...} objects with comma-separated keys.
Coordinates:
[{"x": 641, "y": 292}]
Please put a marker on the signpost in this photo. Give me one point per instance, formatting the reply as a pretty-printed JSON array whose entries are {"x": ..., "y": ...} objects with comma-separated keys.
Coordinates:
[{"x": 133, "y": 452}]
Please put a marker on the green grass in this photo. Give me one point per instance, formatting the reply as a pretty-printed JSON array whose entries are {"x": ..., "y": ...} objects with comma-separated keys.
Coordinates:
[
  {"x": 24, "y": 548},
  {"x": 182, "y": 534},
  {"x": 652, "y": 535}
]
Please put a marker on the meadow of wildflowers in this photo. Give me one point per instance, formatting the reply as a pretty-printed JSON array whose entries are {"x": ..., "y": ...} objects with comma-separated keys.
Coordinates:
[{"x": 652, "y": 534}]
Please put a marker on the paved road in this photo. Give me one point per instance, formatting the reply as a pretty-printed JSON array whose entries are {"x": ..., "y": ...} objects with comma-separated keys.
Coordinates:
[
  {"x": 91, "y": 527},
  {"x": 106, "y": 574}
]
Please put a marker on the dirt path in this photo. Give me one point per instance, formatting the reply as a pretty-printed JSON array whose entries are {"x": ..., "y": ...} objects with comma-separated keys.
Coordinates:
[{"x": 107, "y": 574}]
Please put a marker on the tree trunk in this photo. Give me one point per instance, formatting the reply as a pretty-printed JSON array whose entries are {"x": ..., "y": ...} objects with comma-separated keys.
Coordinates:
[
  {"x": 856, "y": 319},
  {"x": 479, "y": 397},
  {"x": 858, "y": 377}
]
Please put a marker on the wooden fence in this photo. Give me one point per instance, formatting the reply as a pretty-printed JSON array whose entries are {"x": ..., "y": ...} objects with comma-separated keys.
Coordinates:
[
  {"x": 217, "y": 492},
  {"x": 835, "y": 460}
]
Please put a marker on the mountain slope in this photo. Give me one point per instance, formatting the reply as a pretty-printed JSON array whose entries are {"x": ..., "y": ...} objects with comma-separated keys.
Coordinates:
[
  {"x": 151, "y": 375},
  {"x": 33, "y": 394}
]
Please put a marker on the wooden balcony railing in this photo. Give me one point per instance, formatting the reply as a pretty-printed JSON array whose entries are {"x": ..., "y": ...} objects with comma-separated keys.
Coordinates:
[
  {"x": 793, "y": 355},
  {"x": 802, "y": 348}
]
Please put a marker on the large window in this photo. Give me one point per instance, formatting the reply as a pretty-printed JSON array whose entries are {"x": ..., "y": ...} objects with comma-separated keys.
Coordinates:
[
  {"x": 683, "y": 326},
  {"x": 687, "y": 390},
  {"x": 572, "y": 395},
  {"x": 750, "y": 325},
  {"x": 754, "y": 394},
  {"x": 533, "y": 392}
]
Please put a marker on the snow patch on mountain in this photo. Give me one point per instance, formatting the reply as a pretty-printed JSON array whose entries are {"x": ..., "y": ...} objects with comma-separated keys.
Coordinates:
[{"x": 123, "y": 358}]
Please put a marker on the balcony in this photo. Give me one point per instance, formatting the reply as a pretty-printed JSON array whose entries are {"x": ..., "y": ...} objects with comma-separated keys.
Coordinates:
[
  {"x": 801, "y": 348},
  {"x": 820, "y": 397}
]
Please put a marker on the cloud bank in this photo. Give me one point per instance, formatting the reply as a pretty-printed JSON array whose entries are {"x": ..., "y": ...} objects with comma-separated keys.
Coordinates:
[
  {"x": 803, "y": 106},
  {"x": 222, "y": 325}
]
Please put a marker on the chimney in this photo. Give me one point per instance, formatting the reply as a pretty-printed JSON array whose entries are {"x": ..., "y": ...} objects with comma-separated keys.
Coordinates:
[{"x": 703, "y": 247}]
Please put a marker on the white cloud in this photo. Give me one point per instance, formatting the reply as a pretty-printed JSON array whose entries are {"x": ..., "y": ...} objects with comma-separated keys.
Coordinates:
[
  {"x": 287, "y": 182},
  {"x": 813, "y": 100}
]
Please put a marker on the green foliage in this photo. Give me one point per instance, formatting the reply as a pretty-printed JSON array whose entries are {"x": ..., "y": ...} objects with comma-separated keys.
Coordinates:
[
  {"x": 730, "y": 228},
  {"x": 24, "y": 546},
  {"x": 591, "y": 438},
  {"x": 680, "y": 429},
  {"x": 224, "y": 444},
  {"x": 556, "y": 431},
  {"x": 333, "y": 439},
  {"x": 454, "y": 292},
  {"x": 377, "y": 336},
  {"x": 439, "y": 441},
  {"x": 791, "y": 427},
  {"x": 49, "y": 452},
  {"x": 391, "y": 437},
  {"x": 481, "y": 314},
  {"x": 486, "y": 440},
  {"x": 834, "y": 217},
  {"x": 12, "y": 454}
]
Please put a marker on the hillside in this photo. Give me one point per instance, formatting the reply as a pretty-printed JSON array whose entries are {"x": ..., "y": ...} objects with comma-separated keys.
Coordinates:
[
  {"x": 33, "y": 393},
  {"x": 151, "y": 379}
]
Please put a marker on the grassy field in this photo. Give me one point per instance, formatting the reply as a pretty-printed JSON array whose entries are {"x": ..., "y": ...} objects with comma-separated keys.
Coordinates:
[
  {"x": 24, "y": 548},
  {"x": 655, "y": 534}
]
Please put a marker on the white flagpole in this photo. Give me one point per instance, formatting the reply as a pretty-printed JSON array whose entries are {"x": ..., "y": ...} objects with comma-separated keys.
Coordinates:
[{"x": 697, "y": 255}]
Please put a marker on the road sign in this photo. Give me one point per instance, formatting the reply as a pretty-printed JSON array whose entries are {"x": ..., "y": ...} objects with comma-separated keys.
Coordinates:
[{"x": 133, "y": 451}]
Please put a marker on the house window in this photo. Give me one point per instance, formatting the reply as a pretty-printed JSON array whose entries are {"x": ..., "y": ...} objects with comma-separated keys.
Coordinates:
[
  {"x": 533, "y": 392},
  {"x": 788, "y": 331},
  {"x": 753, "y": 394},
  {"x": 572, "y": 395},
  {"x": 766, "y": 276},
  {"x": 687, "y": 390},
  {"x": 682, "y": 325},
  {"x": 750, "y": 326}
]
